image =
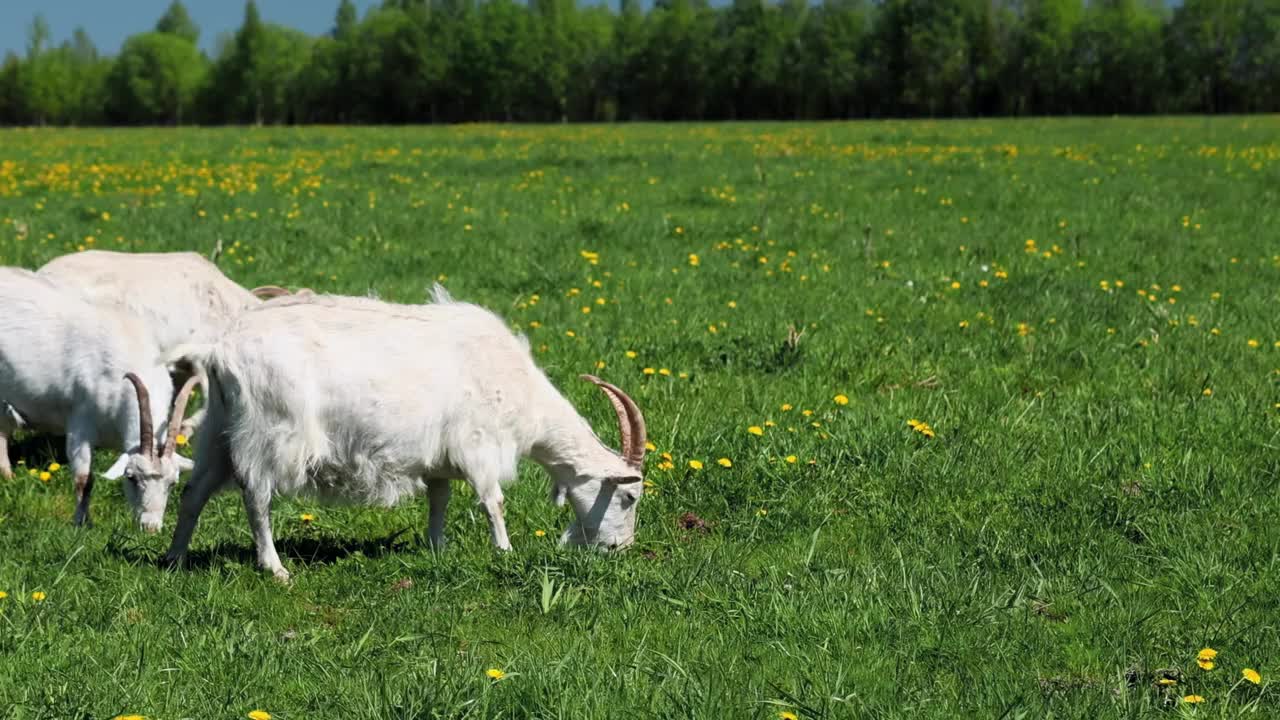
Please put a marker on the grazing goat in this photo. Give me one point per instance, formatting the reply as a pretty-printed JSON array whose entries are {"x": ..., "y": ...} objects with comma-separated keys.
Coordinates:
[
  {"x": 66, "y": 365},
  {"x": 367, "y": 401},
  {"x": 182, "y": 297}
]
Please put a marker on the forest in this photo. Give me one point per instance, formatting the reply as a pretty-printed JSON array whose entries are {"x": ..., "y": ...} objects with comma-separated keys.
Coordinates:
[{"x": 429, "y": 61}]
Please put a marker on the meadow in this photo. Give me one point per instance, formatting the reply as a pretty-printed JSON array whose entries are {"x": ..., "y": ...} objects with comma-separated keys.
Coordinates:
[{"x": 950, "y": 419}]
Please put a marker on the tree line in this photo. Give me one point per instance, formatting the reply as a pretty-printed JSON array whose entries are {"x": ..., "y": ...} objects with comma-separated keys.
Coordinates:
[{"x": 411, "y": 61}]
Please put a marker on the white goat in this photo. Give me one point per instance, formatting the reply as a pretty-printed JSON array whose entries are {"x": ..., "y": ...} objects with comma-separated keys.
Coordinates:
[
  {"x": 64, "y": 363},
  {"x": 369, "y": 401},
  {"x": 182, "y": 297}
]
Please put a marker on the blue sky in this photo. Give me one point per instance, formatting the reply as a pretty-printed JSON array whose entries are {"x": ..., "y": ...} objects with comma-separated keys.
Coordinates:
[{"x": 109, "y": 22}]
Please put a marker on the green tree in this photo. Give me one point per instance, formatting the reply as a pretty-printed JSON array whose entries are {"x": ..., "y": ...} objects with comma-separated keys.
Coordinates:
[
  {"x": 155, "y": 79},
  {"x": 177, "y": 21}
]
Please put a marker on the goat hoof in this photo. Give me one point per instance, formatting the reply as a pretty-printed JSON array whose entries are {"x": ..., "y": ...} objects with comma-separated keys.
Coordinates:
[
  {"x": 282, "y": 576},
  {"x": 174, "y": 561}
]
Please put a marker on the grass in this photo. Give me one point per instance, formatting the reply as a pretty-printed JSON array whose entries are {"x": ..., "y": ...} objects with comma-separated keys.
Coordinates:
[{"x": 1083, "y": 311}]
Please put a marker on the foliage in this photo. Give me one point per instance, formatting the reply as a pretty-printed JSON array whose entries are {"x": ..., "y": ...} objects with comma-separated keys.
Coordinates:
[
  {"x": 1078, "y": 315},
  {"x": 409, "y": 61}
]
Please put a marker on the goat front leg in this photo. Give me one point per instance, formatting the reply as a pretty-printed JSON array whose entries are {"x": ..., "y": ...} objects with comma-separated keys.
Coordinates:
[
  {"x": 212, "y": 472},
  {"x": 80, "y": 457},
  {"x": 438, "y": 496},
  {"x": 6, "y": 470},
  {"x": 257, "y": 505}
]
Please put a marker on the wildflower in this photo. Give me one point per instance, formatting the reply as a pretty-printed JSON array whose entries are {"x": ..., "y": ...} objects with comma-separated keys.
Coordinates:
[
  {"x": 1253, "y": 343},
  {"x": 307, "y": 518},
  {"x": 539, "y": 533},
  {"x": 33, "y": 472},
  {"x": 650, "y": 446},
  {"x": 3, "y": 594},
  {"x": 54, "y": 467},
  {"x": 787, "y": 407},
  {"x": 1166, "y": 682},
  {"x": 788, "y": 715},
  {"x": 259, "y": 715},
  {"x": 1193, "y": 699},
  {"x": 181, "y": 439},
  {"x": 841, "y": 399},
  {"x": 631, "y": 354},
  {"x": 44, "y": 476},
  {"x": 648, "y": 371},
  {"x": 964, "y": 324},
  {"x": 38, "y": 596},
  {"x": 695, "y": 464},
  {"x": 129, "y": 717},
  {"x": 495, "y": 674},
  {"x": 725, "y": 462},
  {"x": 664, "y": 371},
  {"x": 694, "y": 260},
  {"x": 955, "y": 284},
  {"x": 762, "y": 512},
  {"x": 1205, "y": 658},
  {"x": 755, "y": 430},
  {"x": 791, "y": 459},
  {"x": 1251, "y": 675}
]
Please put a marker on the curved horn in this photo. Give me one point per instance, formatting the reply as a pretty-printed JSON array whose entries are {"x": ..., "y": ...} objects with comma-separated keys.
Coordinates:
[
  {"x": 175, "y": 420},
  {"x": 630, "y": 421},
  {"x": 146, "y": 438},
  {"x": 266, "y": 292}
]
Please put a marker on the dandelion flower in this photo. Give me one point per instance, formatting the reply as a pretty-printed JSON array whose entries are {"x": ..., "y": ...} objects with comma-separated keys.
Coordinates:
[
  {"x": 1253, "y": 343},
  {"x": 650, "y": 446},
  {"x": 695, "y": 464},
  {"x": 181, "y": 439},
  {"x": 539, "y": 533},
  {"x": 38, "y": 596},
  {"x": 841, "y": 399},
  {"x": 1166, "y": 682},
  {"x": 725, "y": 462},
  {"x": 755, "y": 430},
  {"x": 1205, "y": 658},
  {"x": 259, "y": 715},
  {"x": 44, "y": 476},
  {"x": 495, "y": 674},
  {"x": 1193, "y": 699},
  {"x": 3, "y": 594},
  {"x": 631, "y": 354},
  {"x": 54, "y": 467},
  {"x": 648, "y": 371},
  {"x": 791, "y": 459},
  {"x": 307, "y": 518},
  {"x": 129, "y": 717},
  {"x": 788, "y": 715},
  {"x": 1251, "y": 675},
  {"x": 787, "y": 407}
]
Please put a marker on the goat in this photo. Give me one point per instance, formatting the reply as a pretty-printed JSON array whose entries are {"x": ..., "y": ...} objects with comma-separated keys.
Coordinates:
[
  {"x": 368, "y": 401},
  {"x": 66, "y": 365},
  {"x": 183, "y": 297}
]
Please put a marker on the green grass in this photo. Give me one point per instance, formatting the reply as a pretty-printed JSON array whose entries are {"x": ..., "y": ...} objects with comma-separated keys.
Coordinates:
[{"x": 1086, "y": 515}]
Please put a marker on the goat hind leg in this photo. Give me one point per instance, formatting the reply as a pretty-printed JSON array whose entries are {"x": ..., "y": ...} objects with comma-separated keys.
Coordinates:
[
  {"x": 438, "y": 496},
  {"x": 6, "y": 470}
]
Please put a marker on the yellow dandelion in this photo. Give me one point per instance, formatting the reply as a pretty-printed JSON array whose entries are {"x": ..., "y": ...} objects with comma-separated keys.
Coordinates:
[
  {"x": 1193, "y": 699},
  {"x": 841, "y": 399},
  {"x": 725, "y": 462},
  {"x": 259, "y": 715},
  {"x": 631, "y": 354},
  {"x": 695, "y": 464},
  {"x": 1251, "y": 675},
  {"x": 755, "y": 430},
  {"x": 913, "y": 423},
  {"x": 664, "y": 371},
  {"x": 181, "y": 439},
  {"x": 1166, "y": 682},
  {"x": 38, "y": 596},
  {"x": 44, "y": 476},
  {"x": 129, "y": 717},
  {"x": 539, "y": 533},
  {"x": 1253, "y": 343},
  {"x": 788, "y": 715},
  {"x": 307, "y": 518},
  {"x": 648, "y": 371},
  {"x": 791, "y": 459},
  {"x": 495, "y": 674},
  {"x": 650, "y": 446},
  {"x": 787, "y": 407},
  {"x": 1207, "y": 654},
  {"x": 54, "y": 467},
  {"x": 3, "y": 595},
  {"x": 1207, "y": 392}
]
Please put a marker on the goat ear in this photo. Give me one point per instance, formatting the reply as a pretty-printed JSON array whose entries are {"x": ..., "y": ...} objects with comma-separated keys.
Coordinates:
[{"x": 117, "y": 469}]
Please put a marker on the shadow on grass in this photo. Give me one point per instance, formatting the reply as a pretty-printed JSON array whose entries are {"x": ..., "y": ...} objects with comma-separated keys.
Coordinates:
[{"x": 306, "y": 551}]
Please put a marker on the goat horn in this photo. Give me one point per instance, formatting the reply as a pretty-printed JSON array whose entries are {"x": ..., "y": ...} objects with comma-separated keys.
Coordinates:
[
  {"x": 146, "y": 438},
  {"x": 630, "y": 421},
  {"x": 175, "y": 420},
  {"x": 266, "y": 292}
]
